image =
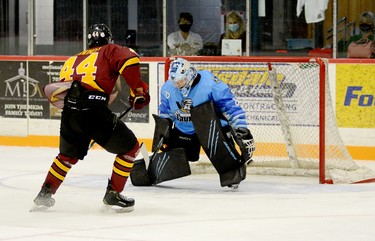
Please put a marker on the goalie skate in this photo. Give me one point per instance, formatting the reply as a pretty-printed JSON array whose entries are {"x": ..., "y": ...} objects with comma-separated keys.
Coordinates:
[{"x": 234, "y": 187}]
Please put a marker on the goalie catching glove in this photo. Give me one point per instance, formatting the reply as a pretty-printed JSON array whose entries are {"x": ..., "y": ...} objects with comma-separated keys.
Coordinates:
[
  {"x": 245, "y": 141},
  {"x": 139, "y": 99}
]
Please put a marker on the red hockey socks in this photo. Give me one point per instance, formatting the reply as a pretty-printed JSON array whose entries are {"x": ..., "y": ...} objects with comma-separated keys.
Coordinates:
[
  {"x": 121, "y": 168},
  {"x": 58, "y": 170}
]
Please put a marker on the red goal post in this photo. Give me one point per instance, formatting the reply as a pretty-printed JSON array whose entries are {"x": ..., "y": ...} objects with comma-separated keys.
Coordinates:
[{"x": 290, "y": 114}]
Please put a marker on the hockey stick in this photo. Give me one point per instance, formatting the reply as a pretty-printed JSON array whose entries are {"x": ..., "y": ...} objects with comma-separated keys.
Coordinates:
[
  {"x": 158, "y": 146},
  {"x": 144, "y": 153},
  {"x": 140, "y": 175},
  {"x": 125, "y": 112},
  {"x": 92, "y": 143},
  {"x": 160, "y": 143}
]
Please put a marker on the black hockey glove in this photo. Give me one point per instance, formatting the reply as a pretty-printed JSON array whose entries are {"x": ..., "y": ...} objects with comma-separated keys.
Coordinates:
[{"x": 246, "y": 143}]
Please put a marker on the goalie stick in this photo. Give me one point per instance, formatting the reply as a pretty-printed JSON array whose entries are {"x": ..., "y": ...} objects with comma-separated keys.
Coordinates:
[
  {"x": 92, "y": 143},
  {"x": 160, "y": 143},
  {"x": 150, "y": 160},
  {"x": 140, "y": 174}
]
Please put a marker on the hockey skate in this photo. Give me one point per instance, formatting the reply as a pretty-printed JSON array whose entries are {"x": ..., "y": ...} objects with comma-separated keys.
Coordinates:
[
  {"x": 43, "y": 200},
  {"x": 234, "y": 186},
  {"x": 114, "y": 201}
]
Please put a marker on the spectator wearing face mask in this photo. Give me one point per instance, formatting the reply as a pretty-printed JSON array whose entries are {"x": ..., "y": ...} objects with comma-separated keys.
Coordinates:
[
  {"x": 367, "y": 28},
  {"x": 184, "y": 42},
  {"x": 234, "y": 29}
]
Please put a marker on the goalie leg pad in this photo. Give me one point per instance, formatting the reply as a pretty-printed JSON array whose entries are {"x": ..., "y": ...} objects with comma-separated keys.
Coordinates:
[
  {"x": 233, "y": 176},
  {"x": 168, "y": 165},
  {"x": 139, "y": 174},
  {"x": 216, "y": 144}
]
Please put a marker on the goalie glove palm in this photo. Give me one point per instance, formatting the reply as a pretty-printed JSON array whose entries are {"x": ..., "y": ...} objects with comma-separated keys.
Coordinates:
[
  {"x": 246, "y": 142},
  {"x": 139, "y": 100}
]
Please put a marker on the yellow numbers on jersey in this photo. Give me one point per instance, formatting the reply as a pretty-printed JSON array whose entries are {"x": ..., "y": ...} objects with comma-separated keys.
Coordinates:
[
  {"x": 66, "y": 72},
  {"x": 86, "y": 68}
]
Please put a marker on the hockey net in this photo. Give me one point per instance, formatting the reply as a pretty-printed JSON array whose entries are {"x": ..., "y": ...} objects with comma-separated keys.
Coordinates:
[{"x": 290, "y": 114}]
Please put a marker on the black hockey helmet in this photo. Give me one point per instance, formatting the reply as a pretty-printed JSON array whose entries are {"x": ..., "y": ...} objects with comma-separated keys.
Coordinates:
[{"x": 99, "y": 34}]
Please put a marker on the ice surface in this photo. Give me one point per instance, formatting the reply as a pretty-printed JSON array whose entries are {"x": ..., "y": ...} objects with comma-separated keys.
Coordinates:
[{"x": 193, "y": 208}]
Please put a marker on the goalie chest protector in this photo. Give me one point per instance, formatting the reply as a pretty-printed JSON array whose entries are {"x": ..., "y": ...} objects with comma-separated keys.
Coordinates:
[{"x": 217, "y": 146}]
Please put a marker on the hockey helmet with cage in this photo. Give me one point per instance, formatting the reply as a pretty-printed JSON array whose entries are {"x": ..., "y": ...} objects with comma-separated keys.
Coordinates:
[
  {"x": 182, "y": 75},
  {"x": 98, "y": 35}
]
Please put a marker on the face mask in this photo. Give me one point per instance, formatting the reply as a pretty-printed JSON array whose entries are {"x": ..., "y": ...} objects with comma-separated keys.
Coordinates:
[
  {"x": 234, "y": 27},
  {"x": 365, "y": 27},
  {"x": 185, "y": 27}
]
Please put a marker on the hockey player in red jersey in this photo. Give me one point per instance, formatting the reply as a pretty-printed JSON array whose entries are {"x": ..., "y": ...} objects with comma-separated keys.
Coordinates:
[{"x": 91, "y": 76}]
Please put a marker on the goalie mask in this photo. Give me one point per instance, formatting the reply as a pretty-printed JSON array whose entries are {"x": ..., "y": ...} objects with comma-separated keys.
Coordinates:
[
  {"x": 182, "y": 75},
  {"x": 98, "y": 35}
]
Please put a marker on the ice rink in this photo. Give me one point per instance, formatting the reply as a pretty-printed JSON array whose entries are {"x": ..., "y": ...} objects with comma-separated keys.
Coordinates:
[{"x": 193, "y": 208}]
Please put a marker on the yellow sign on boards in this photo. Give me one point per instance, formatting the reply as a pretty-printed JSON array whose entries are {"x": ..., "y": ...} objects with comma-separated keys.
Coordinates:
[{"x": 355, "y": 95}]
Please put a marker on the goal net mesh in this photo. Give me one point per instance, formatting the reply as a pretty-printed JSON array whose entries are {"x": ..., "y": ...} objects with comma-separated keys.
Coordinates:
[{"x": 290, "y": 114}]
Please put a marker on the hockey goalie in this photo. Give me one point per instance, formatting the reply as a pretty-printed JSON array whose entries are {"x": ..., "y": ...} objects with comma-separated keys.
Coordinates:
[{"x": 196, "y": 110}]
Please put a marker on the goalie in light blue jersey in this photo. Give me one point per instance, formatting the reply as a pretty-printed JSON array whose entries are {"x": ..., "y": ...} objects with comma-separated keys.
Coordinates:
[
  {"x": 197, "y": 110},
  {"x": 187, "y": 87}
]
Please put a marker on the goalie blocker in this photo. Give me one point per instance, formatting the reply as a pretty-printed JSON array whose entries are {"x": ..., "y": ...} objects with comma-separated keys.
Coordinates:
[{"x": 173, "y": 164}]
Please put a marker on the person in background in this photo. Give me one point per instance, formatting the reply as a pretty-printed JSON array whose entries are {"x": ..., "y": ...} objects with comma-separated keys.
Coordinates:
[
  {"x": 184, "y": 42},
  {"x": 92, "y": 75},
  {"x": 367, "y": 27},
  {"x": 234, "y": 29}
]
